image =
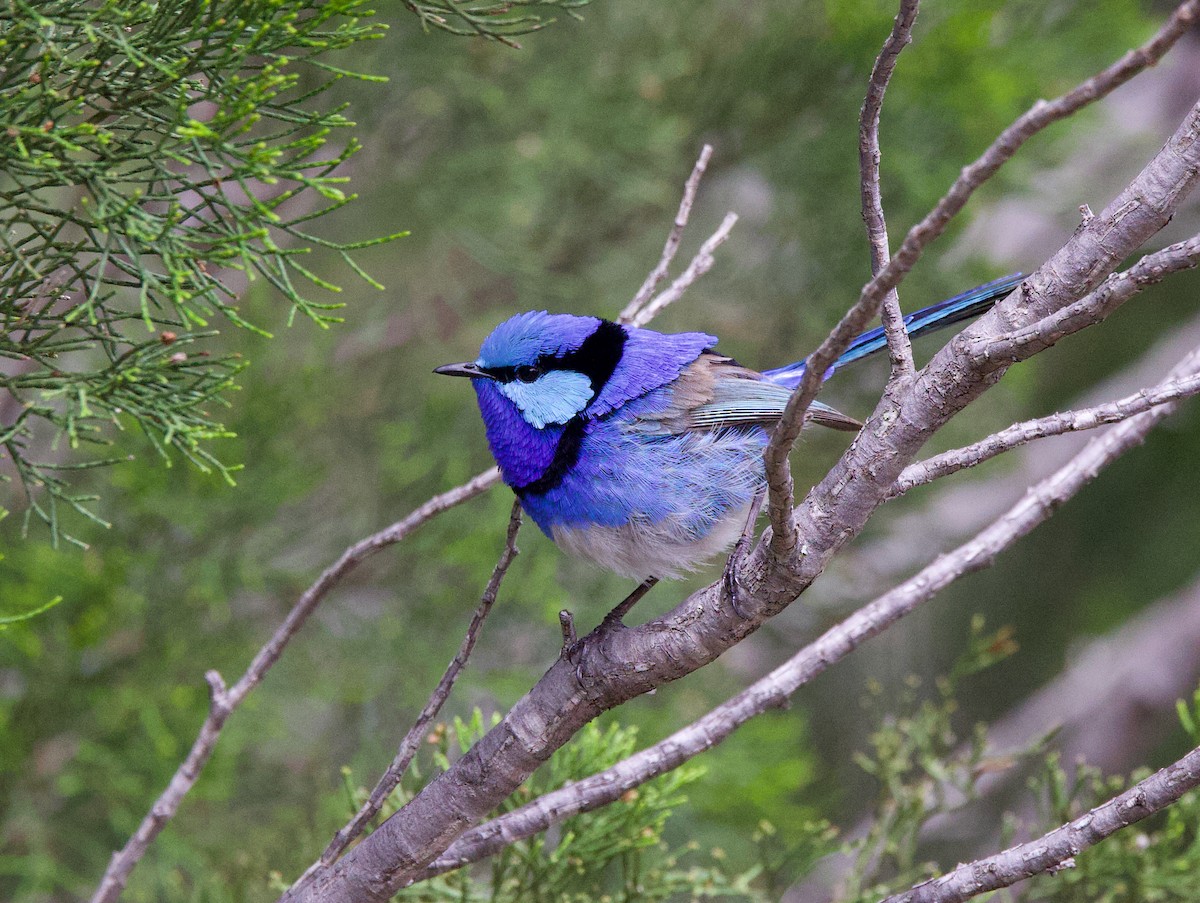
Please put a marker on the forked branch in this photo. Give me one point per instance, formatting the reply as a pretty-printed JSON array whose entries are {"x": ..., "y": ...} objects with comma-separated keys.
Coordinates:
[
  {"x": 899, "y": 345},
  {"x": 659, "y": 273},
  {"x": 1019, "y": 434},
  {"x": 701, "y": 264},
  {"x": 1093, "y": 308},
  {"x": 784, "y": 533},
  {"x": 773, "y": 690}
]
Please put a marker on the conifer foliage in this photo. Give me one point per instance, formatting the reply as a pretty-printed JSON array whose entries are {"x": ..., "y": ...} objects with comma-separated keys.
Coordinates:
[{"x": 154, "y": 159}]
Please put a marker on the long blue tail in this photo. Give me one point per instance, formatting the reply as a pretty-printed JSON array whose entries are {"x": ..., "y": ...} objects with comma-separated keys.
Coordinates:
[{"x": 928, "y": 319}]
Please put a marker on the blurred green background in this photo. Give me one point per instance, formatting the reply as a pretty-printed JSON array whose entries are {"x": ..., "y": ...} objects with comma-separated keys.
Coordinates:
[{"x": 547, "y": 177}]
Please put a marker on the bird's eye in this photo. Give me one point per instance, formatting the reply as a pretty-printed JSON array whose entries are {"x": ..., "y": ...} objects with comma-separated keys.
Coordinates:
[{"x": 528, "y": 374}]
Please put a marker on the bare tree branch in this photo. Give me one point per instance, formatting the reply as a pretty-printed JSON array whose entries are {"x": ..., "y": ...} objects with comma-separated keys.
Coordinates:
[
  {"x": 899, "y": 344},
  {"x": 1089, "y": 310},
  {"x": 942, "y": 518},
  {"x": 784, "y": 532},
  {"x": 225, "y": 701},
  {"x": 954, "y": 378},
  {"x": 701, "y": 264},
  {"x": 1054, "y": 425},
  {"x": 673, "y": 238},
  {"x": 1056, "y": 849},
  {"x": 616, "y": 662},
  {"x": 773, "y": 690},
  {"x": 412, "y": 740}
]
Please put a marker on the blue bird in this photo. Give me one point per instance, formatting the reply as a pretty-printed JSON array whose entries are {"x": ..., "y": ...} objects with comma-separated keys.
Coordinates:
[{"x": 642, "y": 451}]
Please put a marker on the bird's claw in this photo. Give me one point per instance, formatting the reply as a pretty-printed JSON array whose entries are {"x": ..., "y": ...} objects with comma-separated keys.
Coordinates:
[
  {"x": 571, "y": 643},
  {"x": 729, "y": 581}
]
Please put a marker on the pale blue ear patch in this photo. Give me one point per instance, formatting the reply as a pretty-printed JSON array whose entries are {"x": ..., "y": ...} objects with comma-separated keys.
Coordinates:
[{"x": 554, "y": 397}]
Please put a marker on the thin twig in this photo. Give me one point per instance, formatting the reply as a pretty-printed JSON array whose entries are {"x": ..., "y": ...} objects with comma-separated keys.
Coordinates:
[
  {"x": 673, "y": 237},
  {"x": 701, "y": 264},
  {"x": 1056, "y": 849},
  {"x": 1019, "y": 434},
  {"x": 899, "y": 344},
  {"x": 1037, "y": 506},
  {"x": 566, "y": 621},
  {"x": 784, "y": 536},
  {"x": 225, "y": 701},
  {"x": 1089, "y": 310},
  {"x": 412, "y": 740}
]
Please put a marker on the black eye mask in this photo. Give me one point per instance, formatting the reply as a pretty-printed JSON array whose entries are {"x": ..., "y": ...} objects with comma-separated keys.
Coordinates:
[{"x": 596, "y": 359}]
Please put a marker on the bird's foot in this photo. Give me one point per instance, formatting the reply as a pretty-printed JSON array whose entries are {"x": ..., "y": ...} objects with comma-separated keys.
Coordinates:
[
  {"x": 729, "y": 579},
  {"x": 613, "y": 618},
  {"x": 570, "y": 642}
]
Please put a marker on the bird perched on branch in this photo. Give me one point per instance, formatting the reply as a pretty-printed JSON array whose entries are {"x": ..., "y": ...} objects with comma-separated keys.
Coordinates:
[{"x": 642, "y": 451}]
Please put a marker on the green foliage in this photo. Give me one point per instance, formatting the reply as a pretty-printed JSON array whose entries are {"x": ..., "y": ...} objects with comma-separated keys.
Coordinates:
[
  {"x": 23, "y": 612},
  {"x": 156, "y": 155},
  {"x": 496, "y": 21},
  {"x": 759, "y": 776},
  {"x": 106, "y": 688},
  {"x": 1156, "y": 861},
  {"x": 7, "y": 619},
  {"x": 616, "y": 854},
  {"x": 923, "y": 767},
  {"x": 926, "y": 770},
  {"x": 787, "y": 856},
  {"x": 58, "y": 743}
]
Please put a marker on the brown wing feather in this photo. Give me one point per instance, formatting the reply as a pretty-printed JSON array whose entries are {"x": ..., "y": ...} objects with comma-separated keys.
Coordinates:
[{"x": 713, "y": 393}]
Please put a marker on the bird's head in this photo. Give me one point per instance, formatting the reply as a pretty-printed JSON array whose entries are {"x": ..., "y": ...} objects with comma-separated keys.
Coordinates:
[{"x": 550, "y": 367}]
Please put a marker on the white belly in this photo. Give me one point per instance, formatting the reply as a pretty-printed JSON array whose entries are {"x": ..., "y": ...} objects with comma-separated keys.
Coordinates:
[{"x": 640, "y": 549}]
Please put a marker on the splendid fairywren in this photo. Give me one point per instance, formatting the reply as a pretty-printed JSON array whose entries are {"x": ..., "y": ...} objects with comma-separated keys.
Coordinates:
[{"x": 639, "y": 450}]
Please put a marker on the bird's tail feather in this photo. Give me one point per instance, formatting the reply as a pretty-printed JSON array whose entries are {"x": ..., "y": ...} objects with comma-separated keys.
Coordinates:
[{"x": 969, "y": 304}]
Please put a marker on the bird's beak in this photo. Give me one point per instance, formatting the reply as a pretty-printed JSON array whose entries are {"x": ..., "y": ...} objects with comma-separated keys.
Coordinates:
[{"x": 467, "y": 369}]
